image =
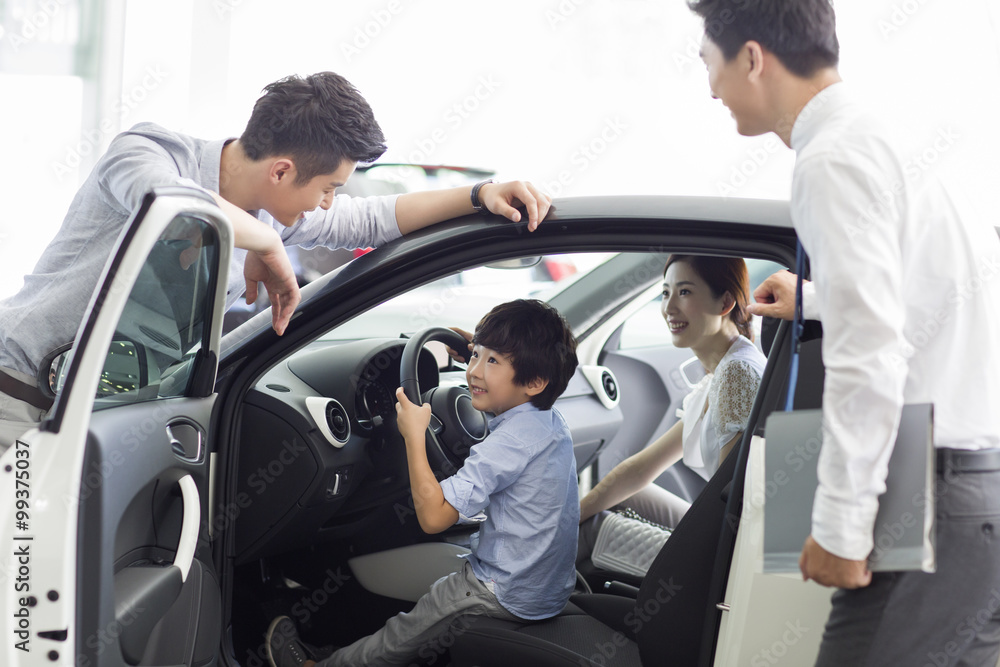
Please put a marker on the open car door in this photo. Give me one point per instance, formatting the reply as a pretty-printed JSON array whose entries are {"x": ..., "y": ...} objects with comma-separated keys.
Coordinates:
[{"x": 105, "y": 557}]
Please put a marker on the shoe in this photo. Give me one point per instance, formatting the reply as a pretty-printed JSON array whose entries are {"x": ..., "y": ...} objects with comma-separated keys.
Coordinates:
[
  {"x": 284, "y": 648},
  {"x": 318, "y": 653}
]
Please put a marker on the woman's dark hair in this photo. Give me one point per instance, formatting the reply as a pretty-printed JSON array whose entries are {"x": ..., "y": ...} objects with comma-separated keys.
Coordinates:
[
  {"x": 320, "y": 121},
  {"x": 538, "y": 341},
  {"x": 801, "y": 33},
  {"x": 723, "y": 274}
]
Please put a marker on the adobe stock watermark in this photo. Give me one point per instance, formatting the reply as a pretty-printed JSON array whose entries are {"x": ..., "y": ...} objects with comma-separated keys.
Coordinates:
[
  {"x": 900, "y": 14},
  {"x": 431, "y": 311},
  {"x": 887, "y": 534},
  {"x": 109, "y": 636},
  {"x": 90, "y": 141},
  {"x": 606, "y": 652},
  {"x": 772, "y": 655},
  {"x": 258, "y": 481},
  {"x": 639, "y": 277},
  {"x": 453, "y": 118},
  {"x": 586, "y": 154},
  {"x": 968, "y": 629},
  {"x": 802, "y": 455},
  {"x": 302, "y": 610},
  {"x": 928, "y": 329},
  {"x": 918, "y": 164},
  {"x": 223, "y": 7},
  {"x": 756, "y": 157},
  {"x": 385, "y": 359},
  {"x": 131, "y": 441},
  {"x": 562, "y": 12},
  {"x": 438, "y": 647},
  {"x": 418, "y": 495},
  {"x": 691, "y": 53},
  {"x": 379, "y": 20},
  {"x": 914, "y": 168},
  {"x": 33, "y": 24}
]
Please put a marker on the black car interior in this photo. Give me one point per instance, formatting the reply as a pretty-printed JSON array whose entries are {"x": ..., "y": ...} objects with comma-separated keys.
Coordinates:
[
  {"x": 307, "y": 503},
  {"x": 323, "y": 483}
]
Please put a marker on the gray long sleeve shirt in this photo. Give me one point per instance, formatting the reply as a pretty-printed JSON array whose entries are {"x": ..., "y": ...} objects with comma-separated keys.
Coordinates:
[{"x": 48, "y": 309}]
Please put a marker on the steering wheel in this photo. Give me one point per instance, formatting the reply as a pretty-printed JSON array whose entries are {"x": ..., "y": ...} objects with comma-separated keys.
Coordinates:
[{"x": 455, "y": 425}]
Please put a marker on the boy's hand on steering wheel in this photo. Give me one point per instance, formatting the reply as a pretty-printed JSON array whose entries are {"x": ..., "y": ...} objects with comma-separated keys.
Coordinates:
[
  {"x": 411, "y": 419},
  {"x": 453, "y": 353}
]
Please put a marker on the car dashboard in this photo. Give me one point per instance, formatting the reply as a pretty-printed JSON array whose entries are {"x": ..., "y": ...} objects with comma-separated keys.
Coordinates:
[
  {"x": 320, "y": 455},
  {"x": 321, "y": 461}
]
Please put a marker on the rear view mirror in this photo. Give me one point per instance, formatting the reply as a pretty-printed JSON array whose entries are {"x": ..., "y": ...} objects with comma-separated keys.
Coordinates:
[{"x": 516, "y": 263}]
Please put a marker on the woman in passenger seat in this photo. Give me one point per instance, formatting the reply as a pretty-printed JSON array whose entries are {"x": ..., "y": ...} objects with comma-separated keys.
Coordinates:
[{"x": 705, "y": 306}]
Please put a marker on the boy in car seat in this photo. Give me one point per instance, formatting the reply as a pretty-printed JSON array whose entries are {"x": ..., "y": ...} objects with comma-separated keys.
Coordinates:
[{"x": 523, "y": 476}]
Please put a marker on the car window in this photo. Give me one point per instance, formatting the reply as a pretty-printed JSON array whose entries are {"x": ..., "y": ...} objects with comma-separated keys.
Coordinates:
[
  {"x": 645, "y": 328},
  {"x": 461, "y": 299},
  {"x": 165, "y": 318}
]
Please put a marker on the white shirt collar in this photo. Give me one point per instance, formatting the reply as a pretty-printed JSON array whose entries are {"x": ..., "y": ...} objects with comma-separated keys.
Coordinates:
[{"x": 815, "y": 113}]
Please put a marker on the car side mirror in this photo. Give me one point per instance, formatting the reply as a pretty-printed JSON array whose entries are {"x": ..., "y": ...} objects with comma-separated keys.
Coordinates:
[
  {"x": 124, "y": 369},
  {"x": 52, "y": 370}
]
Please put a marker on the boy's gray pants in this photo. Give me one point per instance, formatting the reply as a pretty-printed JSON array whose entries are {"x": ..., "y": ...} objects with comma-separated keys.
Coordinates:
[{"x": 425, "y": 633}]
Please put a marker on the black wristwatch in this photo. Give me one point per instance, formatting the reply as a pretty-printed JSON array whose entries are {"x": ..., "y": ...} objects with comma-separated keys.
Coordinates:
[{"x": 476, "y": 204}]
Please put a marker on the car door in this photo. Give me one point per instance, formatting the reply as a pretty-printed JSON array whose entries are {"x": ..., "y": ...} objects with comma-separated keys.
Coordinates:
[{"x": 105, "y": 554}]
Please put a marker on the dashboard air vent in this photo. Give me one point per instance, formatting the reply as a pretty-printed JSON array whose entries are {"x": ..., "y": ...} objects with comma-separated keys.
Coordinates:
[
  {"x": 337, "y": 420},
  {"x": 610, "y": 386}
]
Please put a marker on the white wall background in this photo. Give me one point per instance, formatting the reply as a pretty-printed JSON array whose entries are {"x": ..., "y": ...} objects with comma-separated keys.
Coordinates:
[{"x": 523, "y": 87}]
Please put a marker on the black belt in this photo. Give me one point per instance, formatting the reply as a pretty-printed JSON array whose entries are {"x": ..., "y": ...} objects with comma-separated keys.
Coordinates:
[
  {"x": 23, "y": 391},
  {"x": 968, "y": 460}
]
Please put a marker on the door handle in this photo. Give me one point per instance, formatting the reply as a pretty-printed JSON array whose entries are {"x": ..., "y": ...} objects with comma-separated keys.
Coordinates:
[
  {"x": 189, "y": 526},
  {"x": 145, "y": 593},
  {"x": 185, "y": 440}
]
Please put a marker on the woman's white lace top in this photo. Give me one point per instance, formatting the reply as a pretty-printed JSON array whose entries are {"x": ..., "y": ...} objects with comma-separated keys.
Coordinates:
[{"x": 719, "y": 406}]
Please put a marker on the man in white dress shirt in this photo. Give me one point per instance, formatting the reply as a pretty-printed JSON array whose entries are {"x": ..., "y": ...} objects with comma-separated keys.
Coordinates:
[{"x": 906, "y": 283}]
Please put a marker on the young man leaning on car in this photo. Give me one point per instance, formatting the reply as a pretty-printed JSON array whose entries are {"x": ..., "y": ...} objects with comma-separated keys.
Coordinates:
[
  {"x": 276, "y": 183},
  {"x": 523, "y": 476},
  {"x": 881, "y": 270}
]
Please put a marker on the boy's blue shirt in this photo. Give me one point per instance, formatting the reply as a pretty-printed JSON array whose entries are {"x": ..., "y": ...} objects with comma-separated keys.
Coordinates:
[{"x": 523, "y": 475}]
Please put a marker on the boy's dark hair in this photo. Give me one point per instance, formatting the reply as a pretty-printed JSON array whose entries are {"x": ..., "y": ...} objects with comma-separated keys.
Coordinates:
[
  {"x": 538, "y": 341},
  {"x": 320, "y": 121},
  {"x": 801, "y": 33}
]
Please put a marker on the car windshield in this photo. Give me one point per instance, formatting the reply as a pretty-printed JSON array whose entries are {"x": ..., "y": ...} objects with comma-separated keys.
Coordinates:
[
  {"x": 461, "y": 299},
  {"x": 576, "y": 283}
]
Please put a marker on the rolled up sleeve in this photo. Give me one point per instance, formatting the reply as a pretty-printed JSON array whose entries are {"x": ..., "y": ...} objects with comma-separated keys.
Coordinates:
[
  {"x": 350, "y": 222},
  {"x": 134, "y": 165}
]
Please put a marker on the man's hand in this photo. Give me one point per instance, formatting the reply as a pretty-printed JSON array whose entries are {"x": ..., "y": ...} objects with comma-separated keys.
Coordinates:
[
  {"x": 412, "y": 420},
  {"x": 272, "y": 268},
  {"x": 503, "y": 198},
  {"x": 825, "y": 569},
  {"x": 776, "y": 296}
]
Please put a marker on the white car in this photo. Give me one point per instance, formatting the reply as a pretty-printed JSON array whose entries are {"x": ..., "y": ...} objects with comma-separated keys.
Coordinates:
[{"x": 186, "y": 488}]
